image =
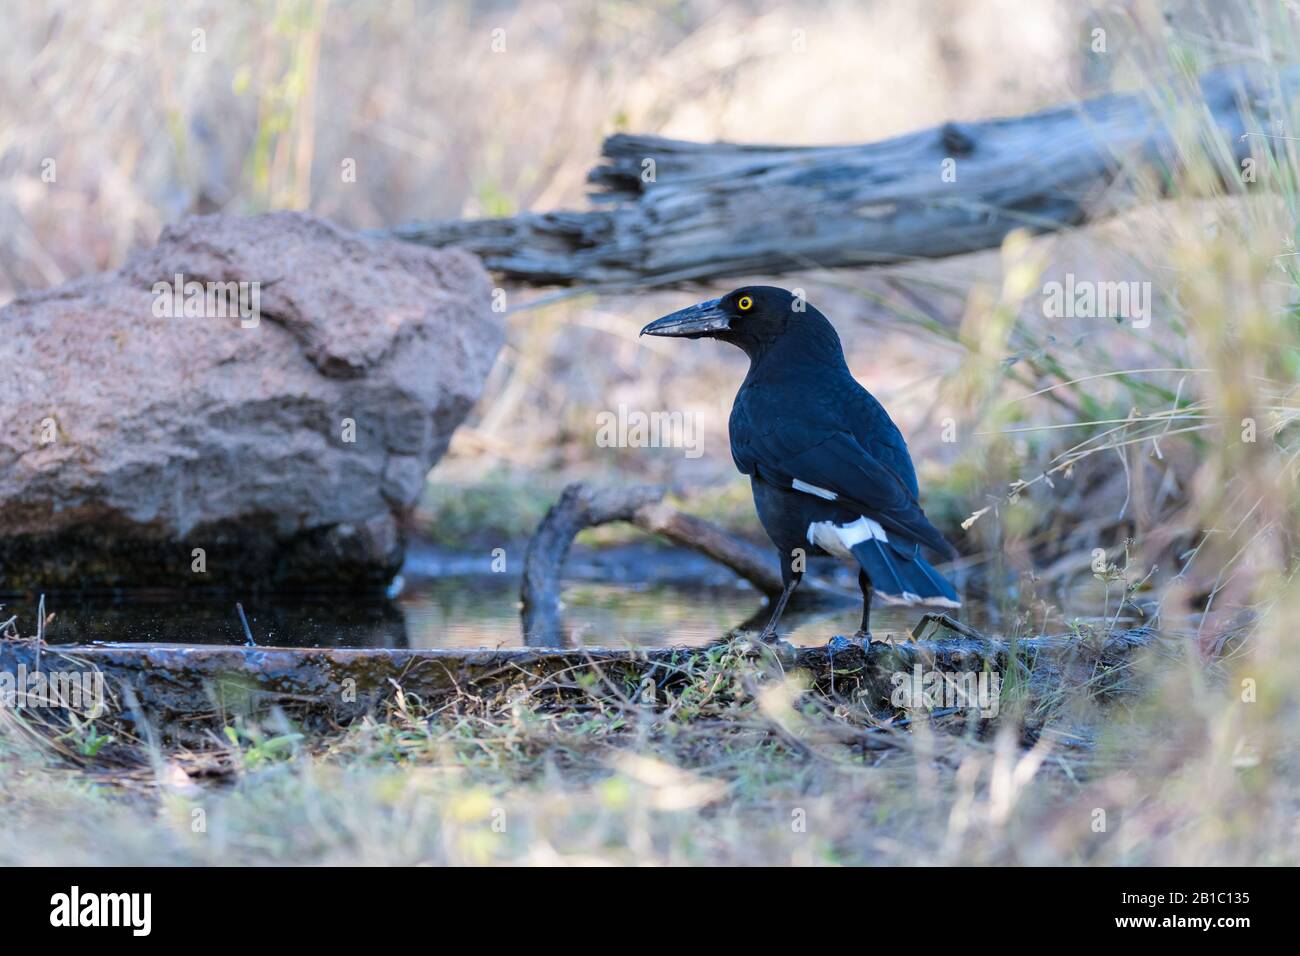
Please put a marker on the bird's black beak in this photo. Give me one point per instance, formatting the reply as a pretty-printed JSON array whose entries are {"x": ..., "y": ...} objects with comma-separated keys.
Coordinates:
[{"x": 694, "y": 322}]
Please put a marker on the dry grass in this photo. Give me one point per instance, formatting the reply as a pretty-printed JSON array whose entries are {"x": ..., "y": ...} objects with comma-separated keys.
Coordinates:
[{"x": 738, "y": 765}]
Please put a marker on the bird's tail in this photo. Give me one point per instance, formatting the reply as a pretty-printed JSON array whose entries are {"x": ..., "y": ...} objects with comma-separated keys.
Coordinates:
[
  {"x": 900, "y": 575},
  {"x": 897, "y": 571}
]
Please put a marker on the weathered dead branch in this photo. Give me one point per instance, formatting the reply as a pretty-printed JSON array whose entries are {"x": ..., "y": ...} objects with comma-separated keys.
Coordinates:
[{"x": 720, "y": 209}]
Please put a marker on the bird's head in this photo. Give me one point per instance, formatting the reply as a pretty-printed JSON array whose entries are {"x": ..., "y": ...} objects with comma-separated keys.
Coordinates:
[{"x": 752, "y": 318}]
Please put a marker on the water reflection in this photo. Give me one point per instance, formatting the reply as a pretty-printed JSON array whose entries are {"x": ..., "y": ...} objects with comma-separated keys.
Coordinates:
[
  {"x": 463, "y": 611},
  {"x": 182, "y": 617},
  {"x": 456, "y": 601}
]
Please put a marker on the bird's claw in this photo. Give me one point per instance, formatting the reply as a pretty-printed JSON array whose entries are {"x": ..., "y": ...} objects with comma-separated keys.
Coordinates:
[
  {"x": 868, "y": 638},
  {"x": 863, "y": 639},
  {"x": 763, "y": 638}
]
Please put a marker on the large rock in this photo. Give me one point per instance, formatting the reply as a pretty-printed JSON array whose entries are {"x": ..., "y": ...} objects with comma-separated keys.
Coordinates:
[{"x": 129, "y": 438}]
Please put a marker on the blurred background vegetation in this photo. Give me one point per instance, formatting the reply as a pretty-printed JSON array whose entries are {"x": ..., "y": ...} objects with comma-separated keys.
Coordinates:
[{"x": 152, "y": 112}]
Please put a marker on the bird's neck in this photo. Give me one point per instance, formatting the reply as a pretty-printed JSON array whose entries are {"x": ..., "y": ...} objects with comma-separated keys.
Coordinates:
[{"x": 795, "y": 355}]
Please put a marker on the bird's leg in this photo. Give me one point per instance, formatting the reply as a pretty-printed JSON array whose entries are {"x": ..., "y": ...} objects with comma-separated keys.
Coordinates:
[
  {"x": 769, "y": 632},
  {"x": 864, "y": 632}
]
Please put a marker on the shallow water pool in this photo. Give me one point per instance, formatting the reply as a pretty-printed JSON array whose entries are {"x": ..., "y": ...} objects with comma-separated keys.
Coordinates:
[{"x": 457, "y": 602}]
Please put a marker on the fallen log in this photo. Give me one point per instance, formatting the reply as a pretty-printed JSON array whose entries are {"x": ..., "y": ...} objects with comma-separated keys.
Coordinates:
[
  {"x": 182, "y": 692},
  {"x": 675, "y": 211}
]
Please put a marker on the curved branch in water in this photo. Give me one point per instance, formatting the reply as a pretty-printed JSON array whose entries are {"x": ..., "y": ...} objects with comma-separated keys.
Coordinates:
[{"x": 580, "y": 506}]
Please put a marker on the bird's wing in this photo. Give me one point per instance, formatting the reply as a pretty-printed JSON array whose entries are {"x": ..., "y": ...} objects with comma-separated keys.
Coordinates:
[
  {"x": 837, "y": 468},
  {"x": 875, "y": 431}
]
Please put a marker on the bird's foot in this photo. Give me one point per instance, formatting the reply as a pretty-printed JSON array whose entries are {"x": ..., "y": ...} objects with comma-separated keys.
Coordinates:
[
  {"x": 861, "y": 639},
  {"x": 866, "y": 638},
  {"x": 767, "y": 637},
  {"x": 762, "y": 644}
]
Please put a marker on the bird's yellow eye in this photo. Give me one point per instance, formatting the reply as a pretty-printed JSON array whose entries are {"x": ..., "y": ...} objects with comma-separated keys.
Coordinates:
[{"x": 744, "y": 303}]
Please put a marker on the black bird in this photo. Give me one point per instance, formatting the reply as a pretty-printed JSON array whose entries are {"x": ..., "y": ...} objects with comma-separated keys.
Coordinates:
[{"x": 830, "y": 471}]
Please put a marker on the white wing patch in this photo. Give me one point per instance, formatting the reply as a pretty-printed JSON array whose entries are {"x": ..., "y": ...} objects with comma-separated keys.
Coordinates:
[
  {"x": 839, "y": 539},
  {"x": 813, "y": 490}
]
